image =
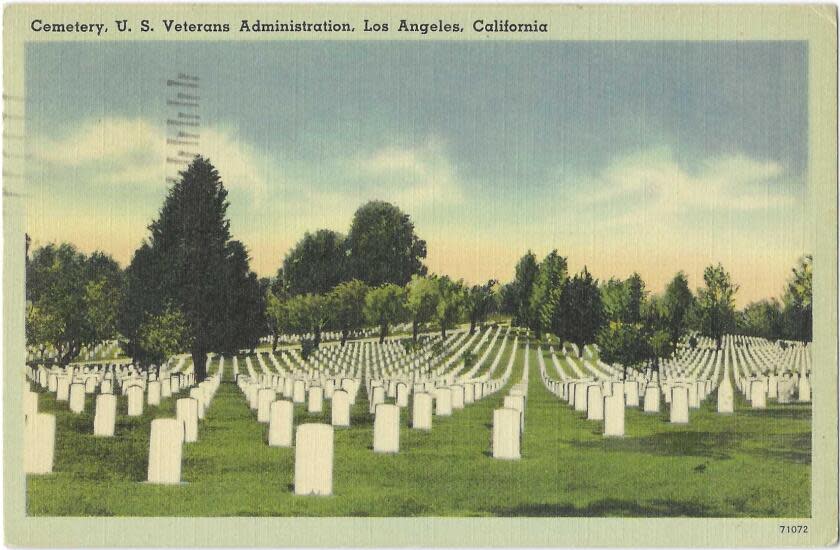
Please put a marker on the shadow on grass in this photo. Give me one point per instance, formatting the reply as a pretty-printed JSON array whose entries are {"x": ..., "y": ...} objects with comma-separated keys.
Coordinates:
[
  {"x": 609, "y": 507},
  {"x": 790, "y": 413},
  {"x": 701, "y": 444}
]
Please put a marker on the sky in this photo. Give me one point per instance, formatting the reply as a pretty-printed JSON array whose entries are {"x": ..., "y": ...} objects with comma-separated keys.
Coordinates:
[{"x": 646, "y": 156}]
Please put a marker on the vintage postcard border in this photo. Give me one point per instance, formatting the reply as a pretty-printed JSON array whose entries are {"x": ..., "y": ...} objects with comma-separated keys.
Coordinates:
[{"x": 814, "y": 24}]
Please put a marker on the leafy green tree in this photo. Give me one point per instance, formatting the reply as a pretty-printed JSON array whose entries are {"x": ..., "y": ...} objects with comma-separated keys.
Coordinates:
[
  {"x": 422, "y": 297},
  {"x": 162, "y": 336},
  {"x": 622, "y": 343},
  {"x": 615, "y": 298},
  {"x": 348, "y": 305},
  {"x": 191, "y": 263},
  {"x": 797, "y": 299},
  {"x": 383, "y": 247},
  {"x": 73, "y": 299},
  {"x": 580, "y": 310},
  {"x": 451, "y": 305},
  {"x": 676, "y": 303},
  {"x": 479, "y": 302},
  {"x": 310, "y": 314},
  {"x": 384, "y": 306},
  {"x": 764, "y": 319},
  {"x": 316, "y": 264},
  {"x": 545, "y": 295},
  {"x": 714, "y": 312}
]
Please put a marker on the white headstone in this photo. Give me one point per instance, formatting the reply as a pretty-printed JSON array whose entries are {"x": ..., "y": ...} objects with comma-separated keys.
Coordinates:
[
  {"x": 506, "y": 432},
  {"x": 39, "y": 444},
  {"x": 62, "y": 389},
  {"x": 165, "y": 447},
  {"x": 340, "y": 408},
  {"x": 315, "y": 403},
  {"x": 77, "y": 398},
  {"x": 299, "y": 391},
  {"x": 614, "y": 414},
  {"x": 105, "y": 418},
  {"x": 759, "y": 395},
  {"x": 313, "y": 459},
  {"x": 726, "y": 396},
  {"x": 386, "y": 429},
  {"x": 652, "y": 398},
  {"x": 443, "y": 402},
  {"x": 631, "y": 393},
  {"x": 153, "y": 393},
  {"x": 421, "y": 413},
  {"x": 265, "y": 397},
  {"x": 135, "y": 400},
  {"x": 594, "y": 403},
  {"x": 679, "y": 405},
  {"x": 281, "y": 423},
  {"x": 402, "y": 395},
  {"x": 186, "y": 413}
]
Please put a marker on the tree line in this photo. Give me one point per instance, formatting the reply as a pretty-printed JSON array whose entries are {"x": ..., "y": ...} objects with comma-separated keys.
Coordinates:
[
  {"x": 189, "y": 286},
  {"x": 634, "y": 327}
]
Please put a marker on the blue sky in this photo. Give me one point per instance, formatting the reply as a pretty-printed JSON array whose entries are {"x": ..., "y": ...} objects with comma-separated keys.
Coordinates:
[{"x": 624, "y": 156}]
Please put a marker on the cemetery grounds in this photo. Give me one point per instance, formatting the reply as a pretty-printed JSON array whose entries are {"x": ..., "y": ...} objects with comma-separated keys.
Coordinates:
[{"x": 754, "y": 463}]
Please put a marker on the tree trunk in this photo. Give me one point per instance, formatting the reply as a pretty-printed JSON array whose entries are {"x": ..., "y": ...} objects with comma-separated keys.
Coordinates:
[
  {"x": 443, "y": 332},
  {"x": 274, "y": 339},
  {"x": 317, "y": 341},
  {"x": 383, "y": 332},
  {"x": 472, "y": 326},
  {"x": 199, "y": 358},
  {"x": 415, "y": 327},
  {"x": 344, "y": 334},
  {"x": 719, "y": 342}
]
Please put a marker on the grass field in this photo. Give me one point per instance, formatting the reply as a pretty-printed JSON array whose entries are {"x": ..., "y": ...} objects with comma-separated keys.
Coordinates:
[{"x": 753, "y": 463}]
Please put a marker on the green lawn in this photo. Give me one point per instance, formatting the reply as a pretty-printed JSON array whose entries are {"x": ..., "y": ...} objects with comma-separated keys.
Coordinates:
[{"x": 749, "y": 464}]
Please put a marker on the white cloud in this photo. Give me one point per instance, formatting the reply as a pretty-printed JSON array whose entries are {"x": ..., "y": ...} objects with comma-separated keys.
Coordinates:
[
  {"x": 653, "y": 180},
  {"x": 122, "y": 151},
  {"x": 412, "y": 177}
]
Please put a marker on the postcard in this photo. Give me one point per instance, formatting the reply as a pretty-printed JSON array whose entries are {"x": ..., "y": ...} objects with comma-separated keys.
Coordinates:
[{"x": 385, "y": 275}]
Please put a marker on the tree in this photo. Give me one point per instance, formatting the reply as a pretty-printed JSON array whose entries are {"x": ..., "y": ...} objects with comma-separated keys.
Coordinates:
[
  {"x": 636, "y": 295},
  {"x": 480, "y": 301},
  {"x": 615, "y": 299},
  {"x": 383, "y": 246},
  {"x": 676, "y": 304},
  {"x": 580, "y": 310},
  {"x": 764, "y": 319},
  {"x": 714, "y": 311},
  {"x": 385, "y": 306},
  {"x": 162, "y": 336},
  {"x": 348, "y": 305},
  {"x": 191, "y": 263},
  {"x": 310, "y": 314},
  {"x": 244, "y": 302},
  {"x": 422, "y": 297},
  {"x": 798, "y": 316},
  {"x": 316, "y": 264},
  {"x": 623, "y": 343},
  {"x": 451, "y": 304},
  {"x": 72, "y": 299},
  {"x": 278, "y": 316},
  {"x": 545, "y": 295},
  {"x": 527, "y": 270}
]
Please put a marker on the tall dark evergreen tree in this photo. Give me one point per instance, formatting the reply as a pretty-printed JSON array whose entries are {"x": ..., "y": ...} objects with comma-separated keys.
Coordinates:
[
  {"x": 383, "y": 247},
  {"x": 580, "y": 310},
  {"x": 527, "y": 271},
  {"x": 191, "y": 263}
]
